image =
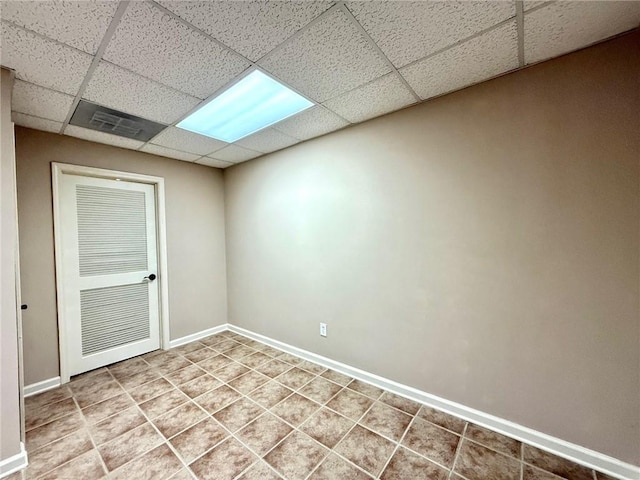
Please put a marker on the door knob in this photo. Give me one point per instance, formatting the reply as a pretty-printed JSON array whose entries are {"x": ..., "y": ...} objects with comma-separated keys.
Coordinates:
[{"x": 151, "y": 277}]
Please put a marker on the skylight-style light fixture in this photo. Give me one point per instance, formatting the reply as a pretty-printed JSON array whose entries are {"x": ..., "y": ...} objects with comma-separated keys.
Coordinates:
[{"x": 255, "y": 102}]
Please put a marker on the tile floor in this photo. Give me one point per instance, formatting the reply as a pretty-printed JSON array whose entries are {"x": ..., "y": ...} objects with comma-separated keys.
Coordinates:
[{"x": 227, "y": 407}]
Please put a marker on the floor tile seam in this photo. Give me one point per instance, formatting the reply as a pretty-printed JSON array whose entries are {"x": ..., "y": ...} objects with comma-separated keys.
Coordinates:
[
  {"x": 397, "y": 447},
  {"x": 357, "y": 423},
  {"x": 476, "y": 442},
  {"x": 457, "y": 454},
  {"x": 93, "y": 442},
  {"x": 459, "y": 434},
  {"x": 60, "y": 438},
  {"x": 559, "y": 477},
  {"x": 157, "y": 430},
  {"x": 53, "y": 420}
]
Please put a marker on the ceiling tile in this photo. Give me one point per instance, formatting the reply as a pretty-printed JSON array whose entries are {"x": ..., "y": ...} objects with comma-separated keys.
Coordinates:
[
  {"x": 79, "y": 24},
  {"x": 234, "y": 153},
  {"x": 155, "y": 44},
  {"x": 381, "y": 96},
  {"x": 212, "y": 162},
  {"x": 311, "y": 123},
  {"x": 122, "y": 90},
  {"x": 41, "y": 61},
  {"x": 566, "y": 26},
  {"x": 180, "y": 139},
  {"x": 101, "y": 137},
  {"x": 529, "y": 4},
  {"x": 36, "y": 123},
  {"x": 41, "y": 102},
  {"x": 251, "y": 28},
  {"x": 408, "y": 31},
  {"x": 478, "y": 59},
  {"x": 169, "y": 152},
  {"x": 329, "y": 58},
  {"x": 267, "y": 140}
]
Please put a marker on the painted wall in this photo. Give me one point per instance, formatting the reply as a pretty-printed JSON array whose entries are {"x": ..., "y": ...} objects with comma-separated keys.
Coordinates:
[
  {"x": 195, "y": 238},
  {"x": 9, "y": 382},
  {"x": 482, "y": 247}
]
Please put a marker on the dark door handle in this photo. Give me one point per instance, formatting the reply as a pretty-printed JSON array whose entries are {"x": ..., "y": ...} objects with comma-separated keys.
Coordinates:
[
  {"x": 24, "y": 307},
  {"x": 151, "y": 277}
]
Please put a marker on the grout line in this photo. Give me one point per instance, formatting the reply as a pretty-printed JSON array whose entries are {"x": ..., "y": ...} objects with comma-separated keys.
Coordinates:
[
  {"x": 122, "y": 6},
  {"x": 381, "y": 54},
  {"x": 520, "y": 30},
  {"x": 458, "y": 448}
]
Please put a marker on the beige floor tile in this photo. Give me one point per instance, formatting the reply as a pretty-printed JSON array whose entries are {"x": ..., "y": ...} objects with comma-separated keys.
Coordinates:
[
  {"x": 366, "y": 449},
  {"x": 54, "y": 430},
  {"x": 106, "y": 408},
  {"x": 350, "y": 404},
  {"x": 295, "y": 378},
  {"x": 39, "y": 415},
  {"x": 320, "y": 390},
  {"x": 163, "y": 403},
  {"x": 238, "y": 414},
  {"x": 493, "y": 440},
  {"x": 198, "y": 439},
  {"x": 218, "y": 398},
  {"x": 160, "y": 463},
  {"x": 386, "y": 421},
  {"x": 338, "y": 378},
  {"x": 179, "y": 419},
  {"x": 273, "y": 368},
  {"x": 295, "y": 409},
  {"x": 327, "y": 427},
  {"x": 407, "y": 465},
  {"x": 554, "y": 464},
  {"x": 260, "y": 471},
  {"x": 442, "y": 419},
  {"x": 57, "y": 453},
  {"x": 126, "y": 447},
  {"x": 401, "y": 403},
  {"x": 87, "y": 466},
  {"x": 365, "y": 389},
  {"x": 264, "y": 433},
  {"x": 270, "y": 394},
  {"x": 116, "y": 425},
  {"x": 248, "y": 382},
  {"x": 296, "y": 456},
  {"x": 185, "y": 375},
  {"x": 476, "y": 462},
  {"x": 200, "y": 385},
  {"x": 431, "y": 441},
  {"x": 224, "y": 462},
  {"x": 334, "y": 467}
]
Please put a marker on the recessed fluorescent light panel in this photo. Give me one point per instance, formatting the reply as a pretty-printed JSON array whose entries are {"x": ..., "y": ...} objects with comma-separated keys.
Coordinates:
[{"x": 255, "y": 102}]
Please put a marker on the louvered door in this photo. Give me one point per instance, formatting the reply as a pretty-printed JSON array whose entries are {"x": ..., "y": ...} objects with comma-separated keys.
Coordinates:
[{"x": 108, "y": 233}]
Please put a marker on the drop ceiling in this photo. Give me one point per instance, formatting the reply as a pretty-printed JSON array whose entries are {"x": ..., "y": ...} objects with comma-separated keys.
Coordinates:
[{"x": 160, "y": 60}]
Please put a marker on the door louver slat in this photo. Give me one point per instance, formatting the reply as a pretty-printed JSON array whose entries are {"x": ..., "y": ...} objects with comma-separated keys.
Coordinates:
[
  {"x": 113, "y": 316},
  {"x": 111, "y": 230}
]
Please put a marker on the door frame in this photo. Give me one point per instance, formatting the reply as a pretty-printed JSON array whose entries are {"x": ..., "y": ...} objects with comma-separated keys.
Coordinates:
[{"x": 59, "y": 169}]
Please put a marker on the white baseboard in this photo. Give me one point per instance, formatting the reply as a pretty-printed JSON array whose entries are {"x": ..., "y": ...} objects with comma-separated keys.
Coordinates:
[
  {"x": 198, "y": 335},
  {"x": 15, "y": 463},
  {"x": 42, "y": 386},
  {"x": 581, "y": 455}
]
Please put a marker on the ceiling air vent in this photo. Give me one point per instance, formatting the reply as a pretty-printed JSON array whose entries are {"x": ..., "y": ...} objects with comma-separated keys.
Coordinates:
[{"x": 103, "y": 119}]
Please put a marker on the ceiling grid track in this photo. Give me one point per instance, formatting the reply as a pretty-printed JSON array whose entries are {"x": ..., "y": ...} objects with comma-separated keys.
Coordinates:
[
  {"x": 382, "y": 55},
  {"x": 520, "y": 29},
  {"x": 122, "y": 7}
]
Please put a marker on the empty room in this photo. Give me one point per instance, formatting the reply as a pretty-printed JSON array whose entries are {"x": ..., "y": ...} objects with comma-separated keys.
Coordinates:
[{"x": 320, "y": 240}]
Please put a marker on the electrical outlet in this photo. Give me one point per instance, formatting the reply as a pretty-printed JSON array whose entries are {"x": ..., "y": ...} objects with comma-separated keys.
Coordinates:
[{"x": 323, "y": 329}]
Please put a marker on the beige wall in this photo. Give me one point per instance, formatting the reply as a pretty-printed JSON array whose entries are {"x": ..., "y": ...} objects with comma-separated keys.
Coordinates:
[
  {"x": 482, "y": 247},
  {"x": 195, "y": 238},
  {"x": 9, "y": 383}
]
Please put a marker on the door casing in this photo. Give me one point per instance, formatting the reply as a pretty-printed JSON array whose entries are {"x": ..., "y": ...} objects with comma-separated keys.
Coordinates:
[{"x": 59, "y": 169}]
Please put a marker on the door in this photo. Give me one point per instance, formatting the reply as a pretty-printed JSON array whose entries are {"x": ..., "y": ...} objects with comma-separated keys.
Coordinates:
[{"x": 106, "y": 230}]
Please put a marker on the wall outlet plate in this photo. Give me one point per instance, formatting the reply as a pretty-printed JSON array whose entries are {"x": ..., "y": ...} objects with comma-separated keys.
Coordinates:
[{"x": 323, "y": 329}]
